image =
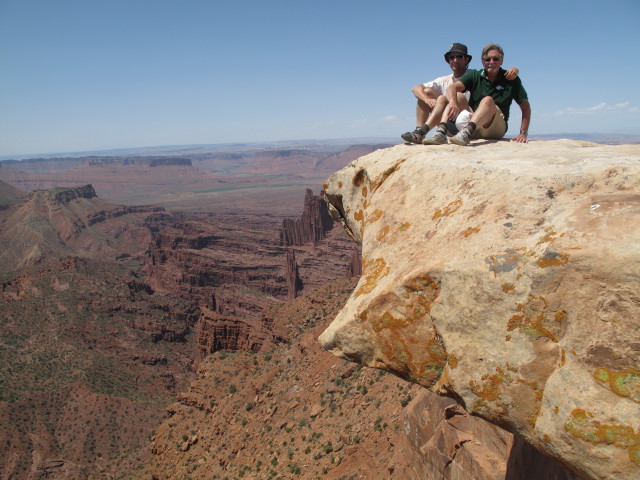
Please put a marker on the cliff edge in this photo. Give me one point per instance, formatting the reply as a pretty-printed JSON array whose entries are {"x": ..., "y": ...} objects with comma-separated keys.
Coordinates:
[{"x": 504, "y": 276}]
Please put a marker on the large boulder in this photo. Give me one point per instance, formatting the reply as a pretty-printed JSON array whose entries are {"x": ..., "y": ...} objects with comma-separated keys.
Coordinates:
[{"x": 505, "y": 276}]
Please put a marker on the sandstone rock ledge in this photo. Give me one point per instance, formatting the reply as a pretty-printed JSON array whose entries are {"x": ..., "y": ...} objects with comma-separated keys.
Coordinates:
[{"x": 505, "y": 276}]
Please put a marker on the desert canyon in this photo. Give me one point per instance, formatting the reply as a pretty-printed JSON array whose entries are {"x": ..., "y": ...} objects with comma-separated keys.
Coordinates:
[{"x": 326, "y": 311}]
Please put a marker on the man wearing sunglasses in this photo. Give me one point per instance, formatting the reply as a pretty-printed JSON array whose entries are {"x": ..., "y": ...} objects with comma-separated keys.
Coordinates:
[
  {"x": 431, "y": 95},
  {"x": 491, "y": 96}
]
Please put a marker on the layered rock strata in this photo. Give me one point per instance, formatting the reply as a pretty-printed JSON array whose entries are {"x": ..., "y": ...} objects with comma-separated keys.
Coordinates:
[{"x": 504, "y": 276}]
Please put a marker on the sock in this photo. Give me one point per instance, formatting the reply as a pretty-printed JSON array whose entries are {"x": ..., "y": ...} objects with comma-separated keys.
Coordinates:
[
  {"x": 424, "y": 129},
  {"x": 471, "y": 126}
]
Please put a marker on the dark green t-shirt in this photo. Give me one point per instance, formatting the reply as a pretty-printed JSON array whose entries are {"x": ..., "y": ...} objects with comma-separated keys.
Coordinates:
[{"x": 502, "y": 90}]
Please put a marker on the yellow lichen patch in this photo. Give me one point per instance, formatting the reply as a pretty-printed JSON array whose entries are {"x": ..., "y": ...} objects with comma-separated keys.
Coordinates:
[
  {"x": 364, "y": 191},
  {"x": 507, "y": 287},
  {"x": 582, "y": 424},
  {"x": 546, "y": 438},
  {"x": 358, "y": 216},
  {"x": 624, "y": 383},
  {"x": 383, "y": 233},
  {"x": 553, "y": 259},
  {"x": 404, "y": 226},
  {"x": 470, "y": 231},
  {"x": 372, "y": 272},
  {"x": 448, "y": 210},
  {"x": 563, "y": 357},
  {"x": 560, "y": 316},
  {"x": 325, "y": 186},
  {"x": 532, "y": 320}
]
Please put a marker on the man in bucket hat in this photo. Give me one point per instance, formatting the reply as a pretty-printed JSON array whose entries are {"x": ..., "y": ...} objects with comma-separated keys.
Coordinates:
[{"x": 431, "y": 95}]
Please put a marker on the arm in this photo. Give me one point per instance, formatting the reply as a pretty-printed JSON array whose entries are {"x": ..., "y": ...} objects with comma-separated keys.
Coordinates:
[
  {"x": 524, "y": 125},
  {"x": 426, "y": 94},
  {"x": 512, "y": 73},
  {"x": 452, "y": 96}
]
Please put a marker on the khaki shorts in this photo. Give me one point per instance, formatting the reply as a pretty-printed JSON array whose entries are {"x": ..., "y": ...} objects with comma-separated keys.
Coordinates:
[{"x": 495, "y": 131}]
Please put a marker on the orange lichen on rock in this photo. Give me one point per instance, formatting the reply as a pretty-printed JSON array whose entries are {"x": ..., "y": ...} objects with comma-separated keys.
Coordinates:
[
  {"x": 581, "y": 424},
  {"x": 375, "y": 216},
  {"x": 448, "y": 210},
  {"x": 470, "y": 231},
  {"x": 383, "y": 233},
  {"x": 553, "y": 259},
  {"x": 507, "y": 287},
  {"x": 452, "y": 361},
  {"x": 404, "y": 226},
  {"x": 490, "y": 388}
]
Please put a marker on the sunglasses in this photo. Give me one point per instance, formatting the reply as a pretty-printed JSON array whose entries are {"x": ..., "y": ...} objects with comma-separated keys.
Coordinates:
[
  {"x": 489, "y": 59},
  {"x": 457, "y": 55}
]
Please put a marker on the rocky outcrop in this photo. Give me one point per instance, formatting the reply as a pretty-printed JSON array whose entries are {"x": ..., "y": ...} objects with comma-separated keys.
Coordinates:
[
  {"x": 61, "y": 195},
  {"x": 230, "y": 334},
  {"x": 311, "y": 227},
  {"x": 504, "y": 276},
  {"x": 443, "y": 441}
]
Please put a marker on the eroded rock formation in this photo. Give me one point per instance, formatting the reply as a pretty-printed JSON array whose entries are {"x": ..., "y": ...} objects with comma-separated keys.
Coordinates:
[
  {"x": 311, "y": 227},
  {"x": 294, "y": 283},
  {"x": 504, "y": 276}
]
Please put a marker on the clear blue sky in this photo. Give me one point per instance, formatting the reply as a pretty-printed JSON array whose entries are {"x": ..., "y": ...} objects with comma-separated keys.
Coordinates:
[{"x": 96, "y": 74}]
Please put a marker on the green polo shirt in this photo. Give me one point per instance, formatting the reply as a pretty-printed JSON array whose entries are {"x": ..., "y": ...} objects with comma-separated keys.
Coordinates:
[{"x": 502, "y": 90}]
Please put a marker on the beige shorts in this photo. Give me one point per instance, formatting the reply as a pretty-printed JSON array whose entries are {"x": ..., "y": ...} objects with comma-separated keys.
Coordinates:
[{"x": 495, "y": 131}]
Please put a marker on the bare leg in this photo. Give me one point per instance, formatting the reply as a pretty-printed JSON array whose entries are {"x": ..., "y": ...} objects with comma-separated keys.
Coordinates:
[
  {"x": 483, "y": 116},
  {"x": 426, "y": 103},
  {"x": 462, "y": 103},
  {"x": 436, "y": 112}
]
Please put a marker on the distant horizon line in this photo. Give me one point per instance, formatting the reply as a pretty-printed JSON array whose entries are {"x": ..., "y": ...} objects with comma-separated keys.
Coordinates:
[{"x": 174, "y": 148}]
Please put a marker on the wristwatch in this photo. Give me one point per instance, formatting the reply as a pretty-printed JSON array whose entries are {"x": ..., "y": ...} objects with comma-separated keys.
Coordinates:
[{"x": 524, "y": 132}]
